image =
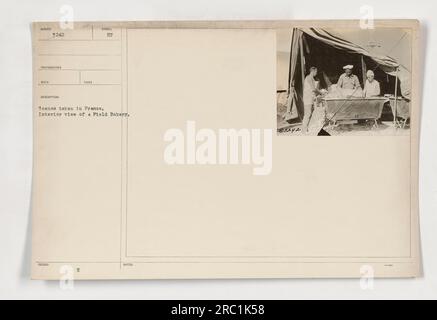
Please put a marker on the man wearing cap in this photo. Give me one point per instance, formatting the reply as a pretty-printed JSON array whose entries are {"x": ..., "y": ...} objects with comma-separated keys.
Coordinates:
[
  {"x": 371, "y": 87},
  {"x": 348, "y": 80}
]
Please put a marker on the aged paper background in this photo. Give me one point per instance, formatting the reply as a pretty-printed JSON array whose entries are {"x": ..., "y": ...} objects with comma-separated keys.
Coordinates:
[{"x": 107, "y": 204}]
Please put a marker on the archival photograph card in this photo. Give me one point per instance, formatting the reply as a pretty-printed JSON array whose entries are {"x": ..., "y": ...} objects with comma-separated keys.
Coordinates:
[{"x": 237, "y": 149}]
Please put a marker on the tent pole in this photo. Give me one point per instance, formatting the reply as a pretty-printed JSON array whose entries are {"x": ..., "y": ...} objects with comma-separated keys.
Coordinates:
[
  {"x": 364, "y": 69},
  {"x": 302, "y": 67},
  {"x": 289, "y": 61},
  {"x": 302, "y": 59},
  {"x": 396, "y": 98}
]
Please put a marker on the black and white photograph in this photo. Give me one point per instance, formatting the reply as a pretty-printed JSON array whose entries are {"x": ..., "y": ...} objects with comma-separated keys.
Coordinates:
[
  {"x": 343, "y": 81},
  {"x": 140, "y": 158}
]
